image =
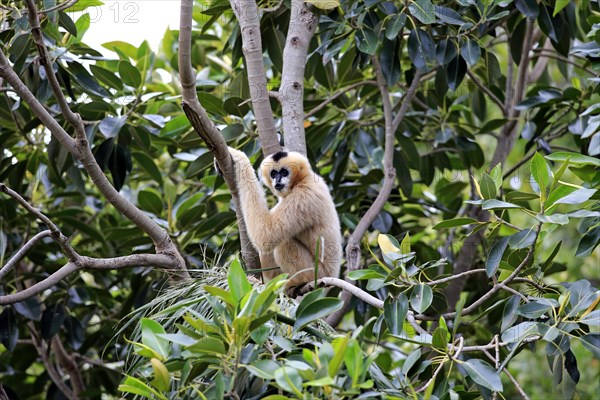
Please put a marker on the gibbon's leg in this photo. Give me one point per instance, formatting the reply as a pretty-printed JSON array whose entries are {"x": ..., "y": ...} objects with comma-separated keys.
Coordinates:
[
  {"x": 267, "y": 260},
  {"x": 298, "y": 262}
]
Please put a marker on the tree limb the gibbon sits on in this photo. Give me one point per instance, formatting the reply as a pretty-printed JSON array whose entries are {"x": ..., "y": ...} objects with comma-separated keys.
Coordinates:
[{"x": 304, "y": 219}]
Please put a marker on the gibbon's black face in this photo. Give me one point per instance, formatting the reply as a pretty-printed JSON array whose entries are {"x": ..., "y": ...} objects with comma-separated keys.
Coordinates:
[{"x": 280, "y": 178}]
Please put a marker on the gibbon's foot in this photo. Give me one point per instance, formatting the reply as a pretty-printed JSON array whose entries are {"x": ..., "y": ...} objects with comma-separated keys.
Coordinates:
[{"x": 300, "y": 290}]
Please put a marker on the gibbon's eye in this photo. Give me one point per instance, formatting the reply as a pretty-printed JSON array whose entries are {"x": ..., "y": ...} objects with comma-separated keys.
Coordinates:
[
  {"x": 273, "y": 174},
  {"x": 284, "y": 172}
]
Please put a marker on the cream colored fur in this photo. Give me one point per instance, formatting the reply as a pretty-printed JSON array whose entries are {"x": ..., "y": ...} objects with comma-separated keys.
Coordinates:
[{"x": 287, "y": 235}]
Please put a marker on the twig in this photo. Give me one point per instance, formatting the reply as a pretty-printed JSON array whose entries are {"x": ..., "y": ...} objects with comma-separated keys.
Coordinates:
[
  {"x": 410, "y": 93},
  {"x": 57, "y": 235},
  {"x": 337, "y": 94},
  {"x": 487, "y": 91},
  {"x": 60, "y": 7},
  {"x": 435, "y": 374},
  {"x": 22, "y": 251},
  {"x": 453, "y": 277},
  {"x": 513, "y": 291},
  {"x": 509, "y": 375}
]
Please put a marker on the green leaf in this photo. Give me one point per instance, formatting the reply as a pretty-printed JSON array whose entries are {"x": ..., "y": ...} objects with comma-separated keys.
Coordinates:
[
  {"x": 162, "y": 379},
  {"x": 471, "y": 52},
  {"x": 529, "y": 8},
  {"x": 289, "y": 380},
  {"x": 366, "y": 41},
  {"x": 421, "y": 298},
  {"x": 588, "y": 242},
  {"x": 451, "y": 223},
  {"x": 560, "y": 4},
  {"x": 495, "y": 256},
  {"x": 483, "y": 374},
  {"x": 208, "y": 345},
  {"x": 325, "y": 5},
  {"x": 539, "y": 171},
  {"x": 456, "y": 71},
  {"x": 487, "y": 186},
  {"x": 238, "y": 281},
  {"x": 150, "y": 331},
  {"x": 150, "y": 200},
  {"x": 577, "y": 197},
  {"x": 440, "y": 338},
  {"x": 107, "y": 77},
  {"x": 136, "y": 386},
  {"x": 148, "y": 165},
  {"x": 509, "y": 315},
  {"x": 393, "y": 26},
  {"x": 129, "y": 74},
  {"x": 574, "y": 158},
  {"x": 316, "y": 310},
  {"x": 264, "y": 369},
  {"x": 421, "y": 48},
  {"x": 394, "y": 312},
  {"x": 340, "y": 345},
  {"x": 83, "y": 4},
  {"x": 498, "y": 205},
  {"x": 423, "y": 10}
]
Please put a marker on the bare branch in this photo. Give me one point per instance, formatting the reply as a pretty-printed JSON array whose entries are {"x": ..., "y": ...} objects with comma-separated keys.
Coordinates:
[
  {"x": 337, "y": 94},
  {"x": 410, "y": 93},
  {"x": 497, "y": 287},
  {"x": 42, "y": 350},
  {"x": 22, "y": 251},
  {"x": 300, "y": 31},
  {"x": 353, "y": 247},
  {"x": 206, "y": 129},
  {"x": 60, "y": 7},
  {"x": 487, "y": 91},
  {"x": 247, "y": 14},
  {"x": 353, "y": 290},
  {"x": 136, "y": 260},
  {"x": 57, "y": 235},
  {"x": 453, "y": 277}
]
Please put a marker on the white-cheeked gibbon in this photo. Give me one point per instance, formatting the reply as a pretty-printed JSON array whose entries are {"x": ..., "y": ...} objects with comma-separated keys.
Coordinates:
[{"x": 302, "y": 223}]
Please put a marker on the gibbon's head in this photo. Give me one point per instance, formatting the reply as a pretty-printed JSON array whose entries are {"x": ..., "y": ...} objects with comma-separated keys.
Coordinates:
[{"x": 283, "y": 170}]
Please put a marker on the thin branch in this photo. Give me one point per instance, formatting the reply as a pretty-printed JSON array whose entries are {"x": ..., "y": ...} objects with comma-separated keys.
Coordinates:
[
  {"x": 22, "y": 251},
  {"x": 410, "y": 93},
  {"x": 453, "y": 277},
  {"x": 496, "y": 287},
  {"x": 60, "y": 7},
  {"x": 55, "y": 376},
  {"x": 61, "y": 239},
  {"x": 337, "y": 94},
  {"x": 352, "y": 289},
  {"x": 435, "y": 374},
  {"x": 135, "y": 260},
  {"x": 513, "y": 291},
  {"x": 509, "y": 375},
  {"x": 487, "y": 91}
]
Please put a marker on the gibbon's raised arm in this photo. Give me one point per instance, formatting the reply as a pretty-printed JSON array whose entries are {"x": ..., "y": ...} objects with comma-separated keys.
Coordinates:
[{"x": 267, "y": 228}]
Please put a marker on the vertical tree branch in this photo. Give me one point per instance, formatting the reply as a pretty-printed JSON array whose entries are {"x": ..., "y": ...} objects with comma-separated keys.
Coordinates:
[
  {"x": 247, "y": 14},
  {"x": 506, "y": 140},
  {"x": 300, "y": 32},
  {"x": 207, "y": 130},
  {"x": 391, "y": 124}
]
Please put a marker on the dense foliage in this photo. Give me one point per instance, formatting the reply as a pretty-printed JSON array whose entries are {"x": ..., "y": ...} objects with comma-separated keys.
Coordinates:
[{"x": 496, "y": 162}]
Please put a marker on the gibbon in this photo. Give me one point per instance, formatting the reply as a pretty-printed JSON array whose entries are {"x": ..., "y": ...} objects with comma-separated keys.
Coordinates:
[{"x": 302, "y": 223}]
